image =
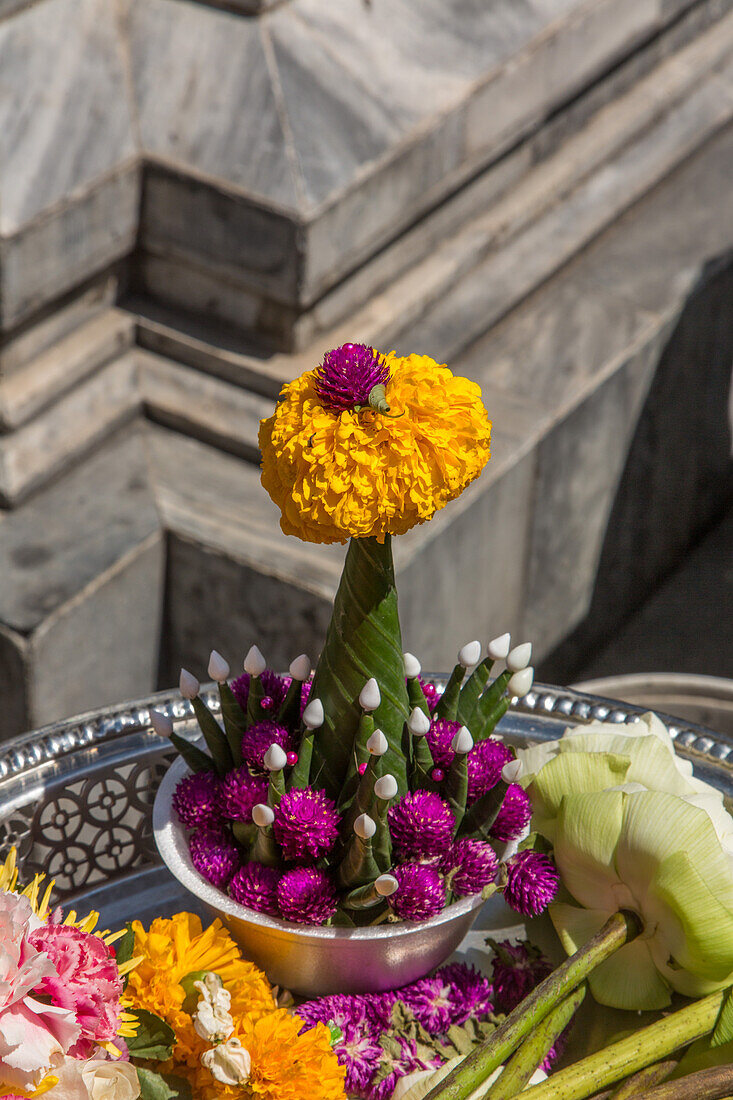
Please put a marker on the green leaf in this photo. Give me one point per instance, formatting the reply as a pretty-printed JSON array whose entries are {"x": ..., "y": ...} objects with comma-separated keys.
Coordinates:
[
  {"x": 214, "y": 736},
  {"x": 197, "y": 760},
  {"x": 235, "y": 723},
  {"x": 480, "y": 816},
  {"x": 724, "y": 1027},
  {"x": 155, "y": 1086},
  {"x": 363, "y": 640},
  {"x": 471, "y": 691},
  {"x": 154, "y": 1038},
  {"x": 124, "y": 948}
]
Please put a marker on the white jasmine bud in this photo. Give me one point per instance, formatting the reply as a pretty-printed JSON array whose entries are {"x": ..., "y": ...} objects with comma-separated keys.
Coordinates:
[
  {"x": 254, "y": 663},
  {"x": 386, "y": 787},
  {"x": 365, "y": 826},
  {"x": 470, "y": 654},
  {"x": 386, "y": 885},
  {"x": 262, "y": 815},
  {"x": 275, "y": 758},
  {"x": 511, "y": 771},
  {"x": 413, "y": 667},
  {"x": 519, "y": 657},
  {"x": 218, "y": 667},
  {"x": 313, "y": 714},
  {"x": 498, "y": 648},
  {"x": 462, "y": 742},
  {"x": 418, "y": 723},
  {"x": 300, "y": 668},
  {"x": 370, "y": 696},
  {"x": 161, "y": 723},
  {"x": 212, "y": 1020},
  {"x": 377, "y": 743},
  {"x": 521, "y": 682},
  {"x": 188, "y": 684},
  {"x": 229, "y": 1062}
]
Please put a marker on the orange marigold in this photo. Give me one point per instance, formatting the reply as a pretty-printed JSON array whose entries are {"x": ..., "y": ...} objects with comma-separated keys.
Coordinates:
[{"x": 338, "y": 472}]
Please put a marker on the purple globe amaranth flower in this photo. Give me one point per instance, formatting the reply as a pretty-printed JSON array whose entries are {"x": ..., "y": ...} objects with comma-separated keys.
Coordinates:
[
  {"x": 420, "y": 894},
  {"x": 430, "y": 692},
  {"x": 514, "y": 815},
  {"x": 305, "y": 694},
  {"x": 196, "y": 800},
  {"x": 240, "y": 791},
  {"x": 517, "y": 969},
  {"x": 256, "y": 886},
  {"x": 342, "y": 1009},
  {"x": 471, "y": 994},
  {"x": 306, "y": 896},
  {"x": 258, "y": 738},
  {"x": 473, "y": 865},
  {"x": 532, "y": 883},
  {"x": 430, "y": 1000},
  {"x": 214, "y": 854},
  {"x": 421, "y": 826},
  {"x": 274, "y": 690},
  {"x": 484, "y": 763},
  {"x": 347, "y": 376},
  {"x": 306, "y": 823},
  {"x": 360, "y": 1053},
  {"x": 399, "y": 1064},
  {"x": 440, "y": 739}
]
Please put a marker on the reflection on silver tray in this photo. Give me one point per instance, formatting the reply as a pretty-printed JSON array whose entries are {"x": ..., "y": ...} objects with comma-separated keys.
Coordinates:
[{"x": 76, "y": 797}]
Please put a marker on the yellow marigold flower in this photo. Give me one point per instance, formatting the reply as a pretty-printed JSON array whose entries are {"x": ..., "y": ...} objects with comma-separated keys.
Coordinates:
[
  {"x": 338, "y": 467},
  {"x": 176, "y": 947}
]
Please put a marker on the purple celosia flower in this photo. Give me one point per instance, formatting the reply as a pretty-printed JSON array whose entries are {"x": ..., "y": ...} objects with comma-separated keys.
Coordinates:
[
  {"x": 256, "y": 886},
  {"x": 399, "y": 1065},
  {"x": 430, "y": 692},
  {"x": 484, "y": 763},
  {"x": 347, "y": 376},
  {"x": 474, "y": 864},
  {"x": 196, "y": 800},
  {"x": 421, "y": 891},
  {"x": 306, "y": 896},
  {"x": 274, "y": 689},
  {"x": 214, "y": 854},
  {"x": 306, "y": 823},
  {"x": 421, "y": 825},
  {"x": 440, "y": 738},
  {"x": 471, "y": 994},
  {"x": 514, "y": 815},
  {"x": 258, "y": 738},
  {"x": 431, "y": 1002},
  {"x": 532, "y": 883},
  {"x": 240, "y": 791},
  {"x": 518, "y": 968}
]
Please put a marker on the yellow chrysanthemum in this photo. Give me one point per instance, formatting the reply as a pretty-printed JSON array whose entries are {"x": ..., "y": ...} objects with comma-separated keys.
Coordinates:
[
  {"x": 178, "y": 946},
  {"x": 338, "y": 472}
]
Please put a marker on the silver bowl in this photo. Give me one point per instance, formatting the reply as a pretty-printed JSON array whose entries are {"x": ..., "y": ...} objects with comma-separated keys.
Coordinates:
[{"x": 313, "y": 961}]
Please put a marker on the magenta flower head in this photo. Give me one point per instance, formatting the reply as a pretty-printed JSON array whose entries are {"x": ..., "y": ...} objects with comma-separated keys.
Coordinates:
[
  {"x": 404, "y": 1058},
  {"x": 421, "y": 891},
  {"x": 256, "y": 886},
  {"x": 342, "y": 1009},
  {"x": 440, "y": 739},
  {"x": 274, "y": 689},
  {"x": 347, "y": 376},
  {"x": 306, "y": 896},
  {"x": 474, "y": 865},
  {"x": 430, "y": 692},
  {"x": 196, "y": 800},
  {"x": 306, "y": 824},
  {"x": 532, "y": 883},
  {"x": 471, "y": 994},
  {"x": 214, "y": 854},
  {"x": 430, "y": 1000},
  {"x": 258, "y": 738},
  {"x": 514, "y": 815},
  {"x": 484, "y": 763},
  {"x": 240, "y": 791},
  {"x": 421, "y": 825},
  {"x": 360, "y": 1052},
  {"x": 518, "y": 968}
]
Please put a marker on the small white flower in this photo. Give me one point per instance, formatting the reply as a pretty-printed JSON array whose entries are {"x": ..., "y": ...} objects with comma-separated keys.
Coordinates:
[
  {"x": 229, "y": 1062},
  {"x": 212, "y": 1019}
]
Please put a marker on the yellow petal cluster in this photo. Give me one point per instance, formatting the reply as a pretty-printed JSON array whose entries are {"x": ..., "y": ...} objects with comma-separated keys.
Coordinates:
[{"x": 358, "y": 474}]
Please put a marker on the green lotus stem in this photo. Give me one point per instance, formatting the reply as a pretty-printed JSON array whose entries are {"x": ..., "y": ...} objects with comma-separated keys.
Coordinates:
[
  {"x": 214, "y": 736},
  {"x": 196, "y": 759},
  {"x": 535, "y": 1048},
  {"x": 363, "y": 897},
  {"x": 363, "y": 641},
  {"x": 483, "y": 813},
  {"x": 487, "y": 705},
  {"x": 448, "y": 703},
  {"x": 456, "y": 788},
  {"x": 359, "y": 755},
  {"x": 544, "y": 998},
  {"x": 644, "y": 1079},
  {"x": 714, "y": 1083},
  {"x": 634, "y": 1053},
  {"x": 235, "y": 725},
  {"x": 416, "y": 696},
  {"x": 471, "y": 692}
]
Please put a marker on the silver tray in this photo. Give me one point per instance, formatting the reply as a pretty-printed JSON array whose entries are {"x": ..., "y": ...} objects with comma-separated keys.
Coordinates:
[{"x": 76, "y": 797}]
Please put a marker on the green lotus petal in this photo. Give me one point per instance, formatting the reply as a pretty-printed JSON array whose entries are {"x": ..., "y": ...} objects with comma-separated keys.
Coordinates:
[
  {"x": 576, "y": 926},
  {"x": 630, "y": 979},
  {"x": 651, "y": 762},
  {"x": 586, "y": 835},
  {"x": 573, "y": 773}
]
